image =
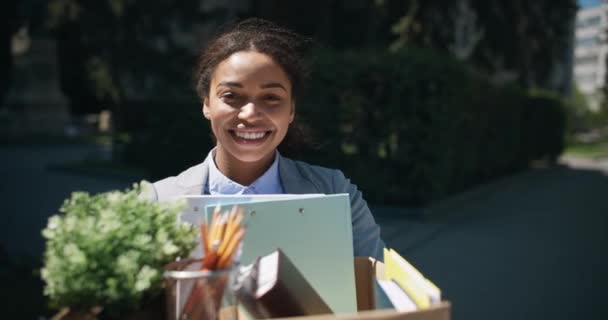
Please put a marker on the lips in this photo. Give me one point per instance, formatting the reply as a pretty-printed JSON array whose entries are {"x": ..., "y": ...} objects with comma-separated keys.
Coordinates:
[{"x": 250, "y": 136}]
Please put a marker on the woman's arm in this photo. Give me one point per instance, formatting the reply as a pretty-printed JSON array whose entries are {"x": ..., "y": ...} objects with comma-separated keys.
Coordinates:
[{"x": 366, "y": 233}]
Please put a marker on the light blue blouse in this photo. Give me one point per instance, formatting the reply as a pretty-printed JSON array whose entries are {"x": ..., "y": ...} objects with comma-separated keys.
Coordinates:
[{"x": 267, "y": 183}]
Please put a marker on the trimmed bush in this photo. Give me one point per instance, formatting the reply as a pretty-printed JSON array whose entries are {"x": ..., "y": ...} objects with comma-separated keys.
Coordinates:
[
  {"x": 545, "y": 126},
  {"x": 412, "y": 127}
]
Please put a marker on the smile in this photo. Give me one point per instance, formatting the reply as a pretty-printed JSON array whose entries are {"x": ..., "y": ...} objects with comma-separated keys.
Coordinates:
[{"x": 251, "y": 135}]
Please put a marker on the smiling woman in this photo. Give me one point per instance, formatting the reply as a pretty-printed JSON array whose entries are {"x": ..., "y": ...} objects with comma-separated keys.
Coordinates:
[
  {"x": 248, "y": 80},
  {"x": 250, "y": 107}
]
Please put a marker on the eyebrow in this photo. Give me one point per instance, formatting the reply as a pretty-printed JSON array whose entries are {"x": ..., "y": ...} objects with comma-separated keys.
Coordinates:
[
  {"x": 230, "y": 84},
  {"x": 239, "y": 85},
  {"x": 273, "y": 85}
]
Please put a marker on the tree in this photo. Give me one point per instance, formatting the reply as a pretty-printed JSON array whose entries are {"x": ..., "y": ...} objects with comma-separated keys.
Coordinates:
[
  {"x": 9, "y": 23},
  {"x": 524, "y": 40},
  {"x": 119, "y": 50},
  {"x": 341, "y": 24}
]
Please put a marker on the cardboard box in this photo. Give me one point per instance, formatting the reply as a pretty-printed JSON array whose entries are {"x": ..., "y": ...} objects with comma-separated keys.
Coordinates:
[
  {"x": 366, "y": 271},
  {"x": 438, "y": 312}
]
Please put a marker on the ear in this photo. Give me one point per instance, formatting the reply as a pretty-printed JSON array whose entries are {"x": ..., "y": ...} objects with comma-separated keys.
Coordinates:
[
  {"x": 206, "y": 108},
  {"x": 292, "y": 115}
]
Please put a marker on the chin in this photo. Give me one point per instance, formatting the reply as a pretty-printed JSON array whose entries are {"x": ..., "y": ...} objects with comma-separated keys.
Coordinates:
[
  {"x": 249, "y": 154},
  {"x": 253, "y": 156}
]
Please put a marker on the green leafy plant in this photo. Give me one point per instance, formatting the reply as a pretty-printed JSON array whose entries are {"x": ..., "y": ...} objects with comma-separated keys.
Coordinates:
[{"x": 109, "y": 249}]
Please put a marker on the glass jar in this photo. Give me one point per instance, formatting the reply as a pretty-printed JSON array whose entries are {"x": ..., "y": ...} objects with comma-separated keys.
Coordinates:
[{"x": 193, "y": 294}]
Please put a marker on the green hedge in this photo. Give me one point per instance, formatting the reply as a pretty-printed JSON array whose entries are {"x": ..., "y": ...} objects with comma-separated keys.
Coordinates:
[
  {"x": 413, "y": 127},
  {"x": 545, "y": 126},
  {"x": 408, "y": 127}
]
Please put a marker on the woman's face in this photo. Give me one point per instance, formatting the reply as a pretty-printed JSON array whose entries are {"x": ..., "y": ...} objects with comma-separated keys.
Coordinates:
[{"x": 250, "y": 106}]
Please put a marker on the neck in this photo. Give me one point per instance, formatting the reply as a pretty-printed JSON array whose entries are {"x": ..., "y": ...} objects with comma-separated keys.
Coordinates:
[{"x": 241, "y": 172}]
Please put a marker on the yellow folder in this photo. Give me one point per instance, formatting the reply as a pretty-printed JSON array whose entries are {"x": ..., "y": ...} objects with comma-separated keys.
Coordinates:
[{"x": 422, "y": 291}]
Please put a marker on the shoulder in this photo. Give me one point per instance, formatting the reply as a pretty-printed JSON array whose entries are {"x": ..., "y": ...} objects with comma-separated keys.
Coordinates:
[
  {"x": 326, "y": 180},
  {"x": 313, "y": 170},
  {"x": 190, "y": 181}
]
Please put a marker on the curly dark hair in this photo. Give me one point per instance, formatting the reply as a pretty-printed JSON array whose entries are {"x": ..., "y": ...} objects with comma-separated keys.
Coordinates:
[{"x": 287, "y": 48}]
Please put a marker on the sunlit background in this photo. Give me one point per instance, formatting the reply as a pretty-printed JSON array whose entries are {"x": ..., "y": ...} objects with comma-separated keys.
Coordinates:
[{"x": 476, "y": 129}]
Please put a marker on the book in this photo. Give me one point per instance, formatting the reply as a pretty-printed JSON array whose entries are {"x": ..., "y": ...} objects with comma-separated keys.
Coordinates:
[{"x": 274, "y": 287}]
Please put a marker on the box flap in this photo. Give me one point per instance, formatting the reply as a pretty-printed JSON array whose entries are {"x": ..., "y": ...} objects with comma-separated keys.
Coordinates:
[
  {"x": 437, "y": 312},
  {"x": 364, "y": 283}
]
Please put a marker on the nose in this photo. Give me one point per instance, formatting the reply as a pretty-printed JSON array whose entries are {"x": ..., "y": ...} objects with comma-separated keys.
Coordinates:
[{"x": 249, "y": 112}]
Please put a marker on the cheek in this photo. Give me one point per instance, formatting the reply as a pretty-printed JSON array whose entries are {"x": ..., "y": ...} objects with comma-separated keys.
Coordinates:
[
  {"x": 218, "y": 113},
  {"x": 284, "y": 122},
  {"x": 217, "y": 121}
]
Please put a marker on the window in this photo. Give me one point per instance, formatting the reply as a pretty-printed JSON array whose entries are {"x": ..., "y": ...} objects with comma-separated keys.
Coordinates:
[
  {"x": 590, "y": 59},
  {"x": 587, "y": 78},
  {"x": 589, "y": 22},
  {"x": 586, "y": 42}
]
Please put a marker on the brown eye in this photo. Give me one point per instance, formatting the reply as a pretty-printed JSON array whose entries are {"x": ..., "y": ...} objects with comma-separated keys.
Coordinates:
[
  {"x": 229, "y": 97},
  {"x": 272, "y": 99}
]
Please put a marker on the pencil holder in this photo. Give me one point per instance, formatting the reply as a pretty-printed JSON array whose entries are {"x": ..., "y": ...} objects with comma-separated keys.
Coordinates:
[{"x": 193, "y": 294}]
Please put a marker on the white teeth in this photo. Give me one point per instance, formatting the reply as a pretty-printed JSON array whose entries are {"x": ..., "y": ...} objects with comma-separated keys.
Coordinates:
[{"x": 250, "y": 135}]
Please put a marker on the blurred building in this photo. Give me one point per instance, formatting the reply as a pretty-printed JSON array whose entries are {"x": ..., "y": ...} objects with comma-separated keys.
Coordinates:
[
  {"x": 590, "y": 50},
  {"x": 35, "y": 103}
]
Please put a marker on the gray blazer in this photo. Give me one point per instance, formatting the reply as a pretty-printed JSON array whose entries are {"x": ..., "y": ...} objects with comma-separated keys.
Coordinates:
[{"x": 297, "y": 178}]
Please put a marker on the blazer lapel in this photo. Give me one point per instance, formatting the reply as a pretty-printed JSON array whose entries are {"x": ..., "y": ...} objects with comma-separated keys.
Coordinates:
[{"x": 194, "y": 180}]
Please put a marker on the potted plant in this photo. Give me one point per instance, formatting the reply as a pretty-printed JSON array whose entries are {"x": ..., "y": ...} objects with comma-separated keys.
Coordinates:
[{"x": 105, "y": 254}]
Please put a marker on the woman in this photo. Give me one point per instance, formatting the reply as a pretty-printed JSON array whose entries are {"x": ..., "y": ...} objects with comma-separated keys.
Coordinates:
[{"x": 248, "y": 80}]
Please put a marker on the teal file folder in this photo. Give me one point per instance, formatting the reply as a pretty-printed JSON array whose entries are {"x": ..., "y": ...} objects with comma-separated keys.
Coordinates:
[
  {"x": 315, "y": 233},
  {"x": 194, "y": 213}
]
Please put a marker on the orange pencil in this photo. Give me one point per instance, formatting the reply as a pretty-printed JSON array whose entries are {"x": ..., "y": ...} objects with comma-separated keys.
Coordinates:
[
  {"x": 214, "y": 221},
  {"x": 204, "y": 238},
  {"x": 231, "y": 228},
  {"x": 226, "y": 258}
]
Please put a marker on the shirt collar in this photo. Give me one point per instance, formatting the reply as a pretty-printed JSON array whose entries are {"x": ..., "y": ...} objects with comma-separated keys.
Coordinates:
[{"x": 267, "y": 183}]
